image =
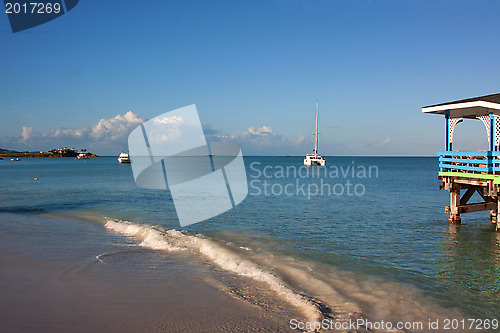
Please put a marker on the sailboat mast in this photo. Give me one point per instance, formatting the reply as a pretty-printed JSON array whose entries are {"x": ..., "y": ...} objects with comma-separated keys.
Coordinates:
[{"x": 316, "y": 147}]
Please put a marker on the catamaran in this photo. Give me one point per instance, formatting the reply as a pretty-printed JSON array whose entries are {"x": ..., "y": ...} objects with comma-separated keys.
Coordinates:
[{"x": 315, "y": 159}]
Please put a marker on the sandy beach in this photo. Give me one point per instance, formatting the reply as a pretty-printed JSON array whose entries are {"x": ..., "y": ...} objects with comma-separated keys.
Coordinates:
[{"x": 57, "y": 284}]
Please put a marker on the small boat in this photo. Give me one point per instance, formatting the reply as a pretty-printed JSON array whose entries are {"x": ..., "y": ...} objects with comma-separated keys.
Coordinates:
[
  {"x": 316, "y": 158},
  {"x": 15, "y": 159},
  {"x": 82, "y": 156},
  {"x": 124, "y": 157}
]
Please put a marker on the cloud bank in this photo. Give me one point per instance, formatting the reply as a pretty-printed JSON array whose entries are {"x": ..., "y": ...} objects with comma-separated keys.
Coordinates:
[
  {"x": 106, "y": 135},
  {"x": 109, "y": 137}
]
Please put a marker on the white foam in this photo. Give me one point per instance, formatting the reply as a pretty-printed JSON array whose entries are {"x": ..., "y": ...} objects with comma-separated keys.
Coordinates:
[
  {"x": 348, "y": 297},
  {"x": 148, "y": 236},
  {"x": 174, "y": 240}
]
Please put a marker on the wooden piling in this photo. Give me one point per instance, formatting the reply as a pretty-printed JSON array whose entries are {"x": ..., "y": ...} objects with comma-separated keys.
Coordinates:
[
  {"x": 454, "y": 204},
  {"x": 493, "y": 216},
  {"x": 497, "y": 215}
]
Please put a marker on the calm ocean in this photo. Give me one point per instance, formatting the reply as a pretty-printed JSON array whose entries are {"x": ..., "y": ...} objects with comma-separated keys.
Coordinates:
[{"x": 366, "y": 237}]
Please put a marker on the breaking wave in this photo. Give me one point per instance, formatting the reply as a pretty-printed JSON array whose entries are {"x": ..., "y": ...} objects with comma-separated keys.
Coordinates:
[{"x": 318, "y": 292}]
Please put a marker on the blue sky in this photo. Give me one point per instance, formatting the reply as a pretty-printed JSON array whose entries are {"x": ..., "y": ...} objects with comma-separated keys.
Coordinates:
[{"x": 252, "y": 64}]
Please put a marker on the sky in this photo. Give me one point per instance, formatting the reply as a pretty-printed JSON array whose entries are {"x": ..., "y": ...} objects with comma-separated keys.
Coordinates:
[{"x": 254, "y": 70}]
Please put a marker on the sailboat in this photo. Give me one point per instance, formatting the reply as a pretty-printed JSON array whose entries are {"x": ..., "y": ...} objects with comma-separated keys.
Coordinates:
[{"x": 315, "y": 159}]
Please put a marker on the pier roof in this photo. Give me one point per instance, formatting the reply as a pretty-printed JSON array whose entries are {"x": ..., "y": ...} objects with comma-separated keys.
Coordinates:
[{"x": 468, "y": 108}]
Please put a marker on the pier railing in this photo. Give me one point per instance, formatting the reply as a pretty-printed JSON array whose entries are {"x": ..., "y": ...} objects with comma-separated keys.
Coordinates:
[{"x": 482, "y": 162}]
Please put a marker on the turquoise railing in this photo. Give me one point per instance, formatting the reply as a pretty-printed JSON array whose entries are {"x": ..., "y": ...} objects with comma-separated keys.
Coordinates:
[{"x": 470, "y": 161}]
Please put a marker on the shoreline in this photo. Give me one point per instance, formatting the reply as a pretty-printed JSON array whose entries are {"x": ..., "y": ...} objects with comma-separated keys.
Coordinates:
[
  {"x": 80, "y": 272},
  {"x": 82, "y": 286}
]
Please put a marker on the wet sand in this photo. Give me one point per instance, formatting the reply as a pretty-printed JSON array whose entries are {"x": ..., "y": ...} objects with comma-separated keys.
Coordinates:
[{"x": 52, "y": 281}]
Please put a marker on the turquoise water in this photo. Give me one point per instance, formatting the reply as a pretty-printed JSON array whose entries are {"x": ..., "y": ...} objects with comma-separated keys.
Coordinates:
[{"x": 387, "y": 228}]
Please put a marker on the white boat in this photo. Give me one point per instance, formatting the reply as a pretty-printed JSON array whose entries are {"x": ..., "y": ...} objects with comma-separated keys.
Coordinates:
[
  {"x": 124, "y": 157},
  {"x": 15, "y": 159},
  {"x": 82, "y": 156},
  {"x": 316, "y": 158}
]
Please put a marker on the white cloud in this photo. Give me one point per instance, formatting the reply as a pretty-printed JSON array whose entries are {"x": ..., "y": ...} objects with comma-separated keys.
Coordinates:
[
  {"x": 170, "y": 120},
  {"x": 171, "y": 129},
  {"x": 107, "y": 131},
  {"x": 27, "y": 133},
  {"x": 264, "y": 130}
]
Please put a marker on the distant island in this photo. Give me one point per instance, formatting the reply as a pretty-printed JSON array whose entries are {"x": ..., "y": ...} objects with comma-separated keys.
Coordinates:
[{"x": 59, "y": 152}]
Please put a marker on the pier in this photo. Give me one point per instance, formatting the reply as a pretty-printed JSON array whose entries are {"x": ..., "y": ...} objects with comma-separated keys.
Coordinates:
[{"x": 464, "y": 173}]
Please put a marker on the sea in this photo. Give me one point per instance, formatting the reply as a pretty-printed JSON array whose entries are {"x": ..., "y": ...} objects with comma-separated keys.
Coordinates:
[{"x": 363, "y": 238}]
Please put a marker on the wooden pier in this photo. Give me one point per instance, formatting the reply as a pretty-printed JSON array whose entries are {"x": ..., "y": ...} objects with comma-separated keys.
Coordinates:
[{"x": 464, "y": 173}]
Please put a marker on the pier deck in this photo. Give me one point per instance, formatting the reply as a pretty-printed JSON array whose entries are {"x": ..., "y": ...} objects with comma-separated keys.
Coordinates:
[{"x": 464, "y": 173}]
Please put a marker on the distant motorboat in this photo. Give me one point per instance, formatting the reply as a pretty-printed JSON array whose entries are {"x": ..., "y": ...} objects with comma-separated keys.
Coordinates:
[
  {"x": 15, "y": 159},
  {"x": 124, "y": 157},
  {"x": 83, "y": 156}
]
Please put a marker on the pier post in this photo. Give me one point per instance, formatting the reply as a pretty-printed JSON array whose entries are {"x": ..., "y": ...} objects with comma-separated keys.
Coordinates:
[
  {"x": 447, "y": 145},
  {"x": 491, "y": 139},
  {"x": 454, "y": 203},
  {"x": 493, "y": 216},
  {"x": 497, "y": 215}
]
